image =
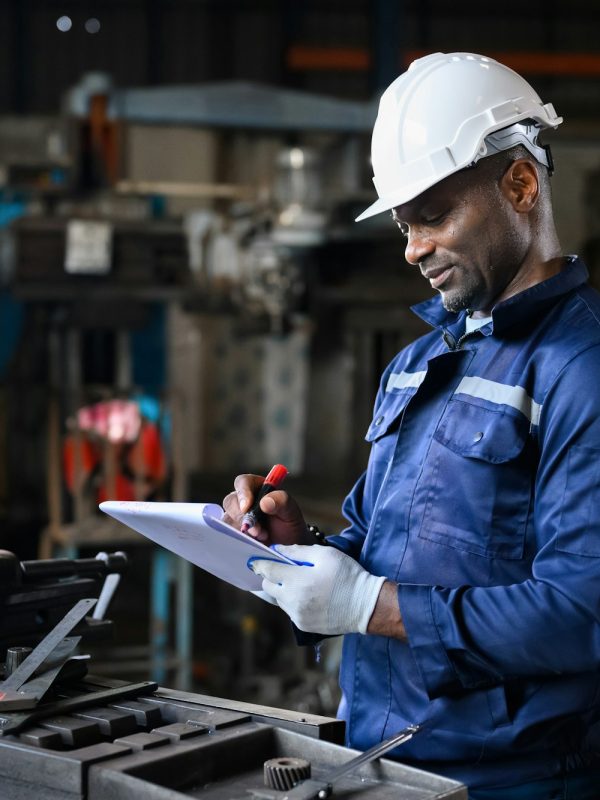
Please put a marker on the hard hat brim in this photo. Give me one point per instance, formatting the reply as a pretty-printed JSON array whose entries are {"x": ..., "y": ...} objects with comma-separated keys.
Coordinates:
[
  {"x": 375, "y": 208},
  {"x": 403, "y": 196}
]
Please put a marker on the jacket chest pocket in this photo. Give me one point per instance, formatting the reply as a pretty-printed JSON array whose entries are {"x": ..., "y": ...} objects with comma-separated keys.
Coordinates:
[
  {"x": 476, "y": 486},
  {"x": 383, "y": 430}
]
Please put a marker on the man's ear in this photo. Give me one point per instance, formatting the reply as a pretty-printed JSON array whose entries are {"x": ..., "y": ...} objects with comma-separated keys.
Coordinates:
[{"x": 520, "y": 184}]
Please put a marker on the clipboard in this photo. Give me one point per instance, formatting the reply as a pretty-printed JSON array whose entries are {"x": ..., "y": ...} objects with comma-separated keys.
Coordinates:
[{"x": 196, "y": 532}]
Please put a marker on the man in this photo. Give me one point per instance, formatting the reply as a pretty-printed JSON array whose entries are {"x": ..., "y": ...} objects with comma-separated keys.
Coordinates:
[{"x": 467, "y": 582}]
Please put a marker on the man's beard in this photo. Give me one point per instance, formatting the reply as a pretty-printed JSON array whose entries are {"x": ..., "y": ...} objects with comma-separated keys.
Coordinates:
[{"x": 468, "y": 295}]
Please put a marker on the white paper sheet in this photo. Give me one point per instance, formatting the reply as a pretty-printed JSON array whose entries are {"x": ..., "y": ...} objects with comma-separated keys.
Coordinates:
[{"x": 196, "y": 532}]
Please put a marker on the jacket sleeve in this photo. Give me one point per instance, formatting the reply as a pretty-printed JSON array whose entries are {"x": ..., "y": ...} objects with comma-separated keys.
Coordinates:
[{"x": 470, "y": 637}]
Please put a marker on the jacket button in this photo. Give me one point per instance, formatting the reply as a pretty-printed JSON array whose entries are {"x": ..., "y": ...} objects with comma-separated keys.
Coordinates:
[
  {"x": 379, "y": 420},
  {"x": 478, "y": 437}
]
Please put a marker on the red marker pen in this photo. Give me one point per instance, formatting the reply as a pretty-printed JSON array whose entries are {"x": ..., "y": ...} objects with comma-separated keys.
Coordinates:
[{"x": 273, "y": 481}]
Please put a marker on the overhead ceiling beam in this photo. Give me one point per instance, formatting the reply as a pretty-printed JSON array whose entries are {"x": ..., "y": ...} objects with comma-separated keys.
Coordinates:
[{"x": 358, "y": 59}]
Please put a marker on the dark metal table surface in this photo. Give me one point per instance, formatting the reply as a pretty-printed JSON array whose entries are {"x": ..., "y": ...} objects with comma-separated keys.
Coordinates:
[{"x": 169, "y": 745}]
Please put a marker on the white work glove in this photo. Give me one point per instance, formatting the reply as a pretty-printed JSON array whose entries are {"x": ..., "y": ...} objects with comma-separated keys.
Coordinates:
[{"x": 334, "y": 595}]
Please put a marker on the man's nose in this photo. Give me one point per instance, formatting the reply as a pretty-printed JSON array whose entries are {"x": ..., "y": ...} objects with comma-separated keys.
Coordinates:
[{"x": 419, "y": 245}]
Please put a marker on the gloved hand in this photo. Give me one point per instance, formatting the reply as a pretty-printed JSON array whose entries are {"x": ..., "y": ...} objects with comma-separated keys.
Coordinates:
[{"x": 335, "y": 595}]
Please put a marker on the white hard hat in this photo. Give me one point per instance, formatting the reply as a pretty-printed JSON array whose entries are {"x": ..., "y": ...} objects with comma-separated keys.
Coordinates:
[{"x": 433, "y": 121}]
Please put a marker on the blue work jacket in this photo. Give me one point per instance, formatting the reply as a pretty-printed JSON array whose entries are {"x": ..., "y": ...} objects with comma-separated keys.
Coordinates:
[{"x": 481, "y": 499}]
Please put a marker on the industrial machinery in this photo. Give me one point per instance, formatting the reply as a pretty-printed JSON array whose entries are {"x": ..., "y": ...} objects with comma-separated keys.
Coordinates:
[{"x": 66, "y": 734}]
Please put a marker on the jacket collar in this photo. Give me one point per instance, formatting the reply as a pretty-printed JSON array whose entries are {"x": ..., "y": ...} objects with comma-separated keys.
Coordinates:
[{"x": 523, "y": 305}]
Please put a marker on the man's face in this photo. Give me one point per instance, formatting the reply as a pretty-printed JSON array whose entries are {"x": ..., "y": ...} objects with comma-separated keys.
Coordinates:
[{"x": 461, "y": 234}]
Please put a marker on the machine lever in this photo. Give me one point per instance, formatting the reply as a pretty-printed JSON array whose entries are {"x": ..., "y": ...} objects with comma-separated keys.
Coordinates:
[
  {"x": 48, "y": 645},
  {"x": 320, "y": 789}
]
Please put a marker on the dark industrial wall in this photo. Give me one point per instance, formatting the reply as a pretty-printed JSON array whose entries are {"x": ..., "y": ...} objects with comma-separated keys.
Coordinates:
[
  {"x": 148, "y": 42},
  {"x": 347, "y": 48}
]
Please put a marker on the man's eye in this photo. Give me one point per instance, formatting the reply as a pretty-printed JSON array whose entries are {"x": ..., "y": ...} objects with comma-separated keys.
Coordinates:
[{"x": 434, "y": 219}]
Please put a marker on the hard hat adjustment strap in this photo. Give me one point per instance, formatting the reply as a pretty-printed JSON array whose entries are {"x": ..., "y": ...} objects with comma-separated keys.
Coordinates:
[{"x": 521, "y": 133}]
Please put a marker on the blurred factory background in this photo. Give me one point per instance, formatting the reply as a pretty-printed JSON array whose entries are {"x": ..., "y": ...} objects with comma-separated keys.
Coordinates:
[{"x": 184, "y": 294}]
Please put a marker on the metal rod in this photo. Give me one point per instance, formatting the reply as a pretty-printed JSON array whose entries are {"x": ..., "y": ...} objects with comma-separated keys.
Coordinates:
[{"x": 375, "y": 752}]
